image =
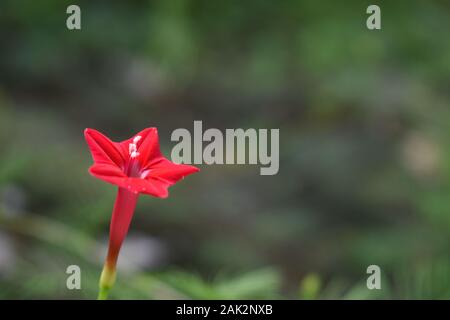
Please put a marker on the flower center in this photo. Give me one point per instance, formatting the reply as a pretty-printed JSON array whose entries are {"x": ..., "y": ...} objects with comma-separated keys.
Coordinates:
[
  {"x": 133, "y": 166},
  {"x": 132, "y": 147}
]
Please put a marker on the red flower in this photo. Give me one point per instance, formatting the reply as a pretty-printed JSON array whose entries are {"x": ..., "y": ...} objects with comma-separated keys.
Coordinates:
[{"x": 136, "y": 166}]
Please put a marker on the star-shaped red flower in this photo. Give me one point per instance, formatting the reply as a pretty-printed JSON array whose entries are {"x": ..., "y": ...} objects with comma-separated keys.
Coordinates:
[{"x": 135, "y": 164}]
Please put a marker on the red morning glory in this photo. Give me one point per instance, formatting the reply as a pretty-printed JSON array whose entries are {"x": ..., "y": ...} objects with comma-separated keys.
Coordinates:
[{"x": 136, "y": 166}]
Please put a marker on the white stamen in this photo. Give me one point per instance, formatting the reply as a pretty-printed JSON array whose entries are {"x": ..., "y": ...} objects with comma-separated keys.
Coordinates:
[
  {"x": 136, "y": 139},
  {"x": 132, "y": 147},
  {"x": 134, "y": 154}
]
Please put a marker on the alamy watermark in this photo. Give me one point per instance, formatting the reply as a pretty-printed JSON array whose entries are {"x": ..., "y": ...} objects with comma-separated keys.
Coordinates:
[
  {"x": 236, "y": 146},
  {"x": 374, "y": 278},
  {"x": 373, "y": 22},
  {"x": 73, "y": 281},
  {"x": 73, "y": 21}
]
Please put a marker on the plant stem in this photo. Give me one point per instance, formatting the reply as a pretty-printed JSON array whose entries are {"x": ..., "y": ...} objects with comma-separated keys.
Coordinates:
[
  {"x": 103, "y": 293},
  {"x": 107, "y": 280},
  {"x": 120, "y": 222}
]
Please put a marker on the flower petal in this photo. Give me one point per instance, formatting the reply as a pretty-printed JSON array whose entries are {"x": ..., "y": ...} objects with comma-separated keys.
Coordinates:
[
  {"x": 169, "y": 171},
  {"x": 147, "y": 146},
  {"x": 109, "y": 173},
  {"x": 147, "y": 186},
  {"x": 103, "y": 150}
]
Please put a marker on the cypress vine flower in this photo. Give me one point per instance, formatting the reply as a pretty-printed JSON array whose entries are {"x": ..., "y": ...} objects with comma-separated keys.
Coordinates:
[{"x": 137, "y": 167}]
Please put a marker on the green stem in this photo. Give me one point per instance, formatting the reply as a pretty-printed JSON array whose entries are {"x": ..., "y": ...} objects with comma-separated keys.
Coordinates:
[
  {"x": 103, "y": 293},
  {"x": 107, "y": 280}
]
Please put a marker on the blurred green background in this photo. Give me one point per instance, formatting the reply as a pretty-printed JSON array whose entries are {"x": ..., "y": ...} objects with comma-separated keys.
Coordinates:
[{"x": 364, "y": 123}]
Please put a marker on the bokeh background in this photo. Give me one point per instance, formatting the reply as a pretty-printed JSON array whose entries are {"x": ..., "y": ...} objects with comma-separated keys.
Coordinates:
[{"x": 364, "y": 121}]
